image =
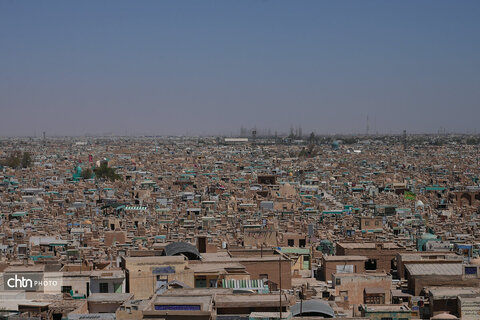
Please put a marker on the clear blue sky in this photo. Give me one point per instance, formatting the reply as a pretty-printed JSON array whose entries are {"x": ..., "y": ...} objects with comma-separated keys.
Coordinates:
[{"x": 208, "y": 67}]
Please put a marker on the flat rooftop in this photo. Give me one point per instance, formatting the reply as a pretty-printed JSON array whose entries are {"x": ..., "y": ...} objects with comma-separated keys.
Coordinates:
[
  {"x": 368, "y": 245},
  {"x": 109, "y": 297},
  {"x": 344, "y": 258}
]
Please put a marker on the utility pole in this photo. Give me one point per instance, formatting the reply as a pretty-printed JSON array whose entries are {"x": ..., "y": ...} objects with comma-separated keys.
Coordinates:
[
  {"x": 301, "y": 301},
  {"x": 280, "y": 284}
]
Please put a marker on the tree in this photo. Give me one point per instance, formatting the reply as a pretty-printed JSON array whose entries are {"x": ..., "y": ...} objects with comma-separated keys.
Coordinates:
[
  {"x": 312, "y": 138},
  {"x": 350, "y": 140},
  {"x": 107, "y": 173},
  {"x": 18, "y": 160},
  {"x": 13, "y": 161},
  {"x": 87, "y": 173},
  {"x": 472, "y": 141},
  {"x": 26, "y": 160}
]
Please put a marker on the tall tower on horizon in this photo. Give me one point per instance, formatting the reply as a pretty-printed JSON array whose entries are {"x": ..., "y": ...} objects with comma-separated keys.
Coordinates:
[{"x": 368, "y": 127}]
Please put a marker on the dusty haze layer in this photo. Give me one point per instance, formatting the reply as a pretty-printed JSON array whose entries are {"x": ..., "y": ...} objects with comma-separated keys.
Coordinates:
[{"x": 164, "y": 67}]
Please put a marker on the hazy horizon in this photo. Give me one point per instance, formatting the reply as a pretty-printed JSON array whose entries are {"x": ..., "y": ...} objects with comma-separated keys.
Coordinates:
[{"x": 211, "y": 67}]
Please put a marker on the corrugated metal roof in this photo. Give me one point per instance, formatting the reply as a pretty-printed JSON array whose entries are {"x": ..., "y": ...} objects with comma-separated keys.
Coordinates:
[
  {"x": 449, "y": 269},
  {"x": 136, "y": 208}
]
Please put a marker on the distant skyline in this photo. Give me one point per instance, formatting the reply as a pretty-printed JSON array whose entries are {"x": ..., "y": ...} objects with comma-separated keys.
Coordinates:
[{"x": 211, "y": 67}]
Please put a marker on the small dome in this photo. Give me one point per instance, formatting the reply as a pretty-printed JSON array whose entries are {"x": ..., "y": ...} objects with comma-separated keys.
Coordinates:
[
  {"x": 444, "y": 316},
  {"x": 314, "y": 307},
  {"x": 428, "y": 236}
]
